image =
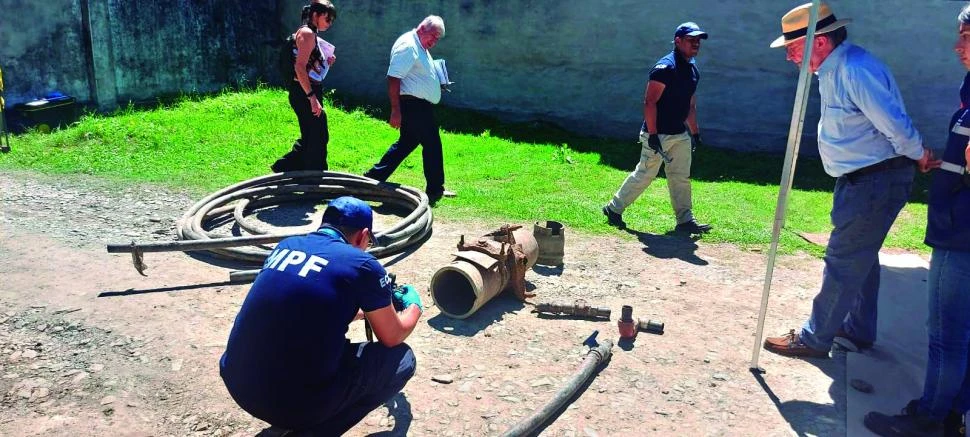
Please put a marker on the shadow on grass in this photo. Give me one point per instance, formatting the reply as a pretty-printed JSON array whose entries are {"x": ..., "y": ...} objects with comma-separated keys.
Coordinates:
[{"x": 710, "y": 163}]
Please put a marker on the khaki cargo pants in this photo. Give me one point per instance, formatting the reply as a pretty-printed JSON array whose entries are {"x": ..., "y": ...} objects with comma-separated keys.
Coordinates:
[{"x": 677, "y": 171}]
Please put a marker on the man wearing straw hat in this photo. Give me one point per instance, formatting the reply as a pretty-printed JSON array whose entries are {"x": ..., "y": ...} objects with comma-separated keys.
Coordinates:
[{"x": 867, "y": 142}]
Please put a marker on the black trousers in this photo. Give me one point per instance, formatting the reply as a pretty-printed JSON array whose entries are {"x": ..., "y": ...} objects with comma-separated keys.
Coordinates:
[
  {"x": 369, "y": 376},
  {"x": 418, "y": 126},
  {"x": 310, "y": 151}
]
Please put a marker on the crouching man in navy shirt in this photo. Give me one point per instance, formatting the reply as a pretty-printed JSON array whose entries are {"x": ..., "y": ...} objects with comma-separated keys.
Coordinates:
[{"x": 288, "y": 361}]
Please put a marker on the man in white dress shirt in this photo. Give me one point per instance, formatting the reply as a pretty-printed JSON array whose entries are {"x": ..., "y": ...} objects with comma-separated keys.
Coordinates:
[{"x": 413, "y": 89}]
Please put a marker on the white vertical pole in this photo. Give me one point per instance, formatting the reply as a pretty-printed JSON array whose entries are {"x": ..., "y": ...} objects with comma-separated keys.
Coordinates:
[{"x": 787, "y": 173}]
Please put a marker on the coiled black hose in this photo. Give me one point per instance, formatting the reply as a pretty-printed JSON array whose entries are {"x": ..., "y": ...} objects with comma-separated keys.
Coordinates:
[{"x": 235, "y": 202}]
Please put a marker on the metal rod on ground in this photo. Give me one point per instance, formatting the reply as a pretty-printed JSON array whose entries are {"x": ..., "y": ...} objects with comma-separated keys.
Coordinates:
[
  {"x": 594, "y": 358},
  {"x": 191, "y": 245},
  {"x": 787, "y": 173}
]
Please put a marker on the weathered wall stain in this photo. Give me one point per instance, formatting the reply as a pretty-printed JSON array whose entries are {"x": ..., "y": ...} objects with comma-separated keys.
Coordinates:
[
  {"x": 140, "y": 49},
  {"x": 582, "y": 65}
]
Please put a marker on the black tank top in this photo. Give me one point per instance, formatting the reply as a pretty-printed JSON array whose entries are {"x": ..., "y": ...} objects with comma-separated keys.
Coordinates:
[{"x": 315, "y": 63}]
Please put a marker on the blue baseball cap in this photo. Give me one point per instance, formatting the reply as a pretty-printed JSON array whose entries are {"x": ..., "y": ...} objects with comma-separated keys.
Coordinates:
[
  {"x": 689, "y": 28},
  {"x": 350, "y": 212}
]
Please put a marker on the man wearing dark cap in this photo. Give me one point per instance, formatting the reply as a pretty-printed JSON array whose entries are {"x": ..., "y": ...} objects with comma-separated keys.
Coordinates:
[
  {"x": 869, "y": 144},
  {"x": 668, "y": 104},
  {"x": 288, "y": 362}
]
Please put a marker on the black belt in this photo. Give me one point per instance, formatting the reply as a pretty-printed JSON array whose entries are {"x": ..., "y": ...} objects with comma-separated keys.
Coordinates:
[
  {"x": 889, "y": 164},
  {"x": 410, "y": 97}
]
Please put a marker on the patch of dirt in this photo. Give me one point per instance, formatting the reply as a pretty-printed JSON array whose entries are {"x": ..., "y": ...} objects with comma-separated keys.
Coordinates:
[{"x": 90, "y": 348}]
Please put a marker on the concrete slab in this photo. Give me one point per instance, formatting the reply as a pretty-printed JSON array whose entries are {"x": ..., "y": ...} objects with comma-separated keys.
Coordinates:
[{"x": 895, "y": 366}]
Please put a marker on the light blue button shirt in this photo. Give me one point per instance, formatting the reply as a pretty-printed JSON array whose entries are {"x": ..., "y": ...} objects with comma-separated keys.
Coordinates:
[
  {"x": 412, "y": 63},
  {"x": 863, "y": 119}
]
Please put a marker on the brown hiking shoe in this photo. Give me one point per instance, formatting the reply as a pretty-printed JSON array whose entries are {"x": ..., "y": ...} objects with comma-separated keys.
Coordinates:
[{"x": 789, "y": 345}]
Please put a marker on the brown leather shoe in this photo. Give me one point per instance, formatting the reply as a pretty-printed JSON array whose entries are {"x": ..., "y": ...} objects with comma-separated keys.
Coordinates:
[{"x": 789, "y": 345}]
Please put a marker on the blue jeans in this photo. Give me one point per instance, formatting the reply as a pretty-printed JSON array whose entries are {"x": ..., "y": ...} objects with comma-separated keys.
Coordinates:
[
  {"x": 947, "y": 385},
  {"x": 863, "y": 210}
]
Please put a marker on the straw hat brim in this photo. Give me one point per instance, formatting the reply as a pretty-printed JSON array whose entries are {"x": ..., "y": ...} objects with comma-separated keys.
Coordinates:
[{"x": 781, "y": 41}]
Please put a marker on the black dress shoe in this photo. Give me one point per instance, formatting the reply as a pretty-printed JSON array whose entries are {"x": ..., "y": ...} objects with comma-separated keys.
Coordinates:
[
  {"x": 613, "y": 218},
  {"x": 953, "y": 425},
  {"x": 692, "y": 227},
  {"x": 910, "y": 423}
]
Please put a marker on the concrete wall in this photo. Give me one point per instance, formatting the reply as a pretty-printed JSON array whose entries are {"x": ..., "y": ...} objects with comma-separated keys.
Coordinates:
[
  {"x": 583, "y": 65},
  {"x": 42, "y": 51},
  {"x": 111, "y": 52}
]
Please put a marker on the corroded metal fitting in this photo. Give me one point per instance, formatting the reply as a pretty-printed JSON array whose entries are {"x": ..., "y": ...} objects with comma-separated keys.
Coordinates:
[
  {"x": 626, "y": 325},
  {"x": 579, "y": 308},
  {"x": 651, "y": 326}
]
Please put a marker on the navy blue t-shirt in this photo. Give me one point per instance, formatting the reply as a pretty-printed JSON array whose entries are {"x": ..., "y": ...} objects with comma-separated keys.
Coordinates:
[
  {"x": 289, "y": 336},
  {"x": 680, "y": 77},
  {"x": 948, "y": 211}
]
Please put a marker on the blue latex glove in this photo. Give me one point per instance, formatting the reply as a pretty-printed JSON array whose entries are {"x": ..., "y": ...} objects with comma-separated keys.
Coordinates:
[{"x": 405, "y": 296}]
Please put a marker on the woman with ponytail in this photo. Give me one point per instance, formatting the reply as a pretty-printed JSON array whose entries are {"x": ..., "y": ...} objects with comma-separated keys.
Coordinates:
[{"x": 311, "y": 58}]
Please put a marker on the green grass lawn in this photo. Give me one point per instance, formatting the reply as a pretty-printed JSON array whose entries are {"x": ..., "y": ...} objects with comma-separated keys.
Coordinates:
[{"x": 503, "y": 172}]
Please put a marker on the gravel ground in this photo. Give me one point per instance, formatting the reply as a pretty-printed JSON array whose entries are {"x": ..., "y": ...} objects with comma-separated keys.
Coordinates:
[{"x": 89, "y": 347}]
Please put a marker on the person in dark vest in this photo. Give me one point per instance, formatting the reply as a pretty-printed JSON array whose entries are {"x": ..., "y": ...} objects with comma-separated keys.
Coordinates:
[
  {"x": 312, "y": 57},
  {"x": 946, "y": 388},
  {"x": 669, "y": 126},
  {"x": 288, "y": 361}
]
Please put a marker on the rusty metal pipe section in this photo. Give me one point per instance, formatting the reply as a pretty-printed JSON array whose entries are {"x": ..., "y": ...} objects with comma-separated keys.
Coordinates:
[
  {"x": 579, "y": 309},
  {"x": 482, "y": 269}
]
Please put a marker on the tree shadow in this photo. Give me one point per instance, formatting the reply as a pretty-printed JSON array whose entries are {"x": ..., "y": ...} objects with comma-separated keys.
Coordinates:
[
  {"x": 493, "y": 311},
  {"x": 400, "y": 409},
  {"x": 670, "y": 245},
  {"x": 810, "y": 418}
]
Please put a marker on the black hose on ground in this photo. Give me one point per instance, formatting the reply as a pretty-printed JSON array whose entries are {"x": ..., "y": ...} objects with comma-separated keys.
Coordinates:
[
  {"x": 236, "y": 202},
  {"x": 595, "y": 356}
]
